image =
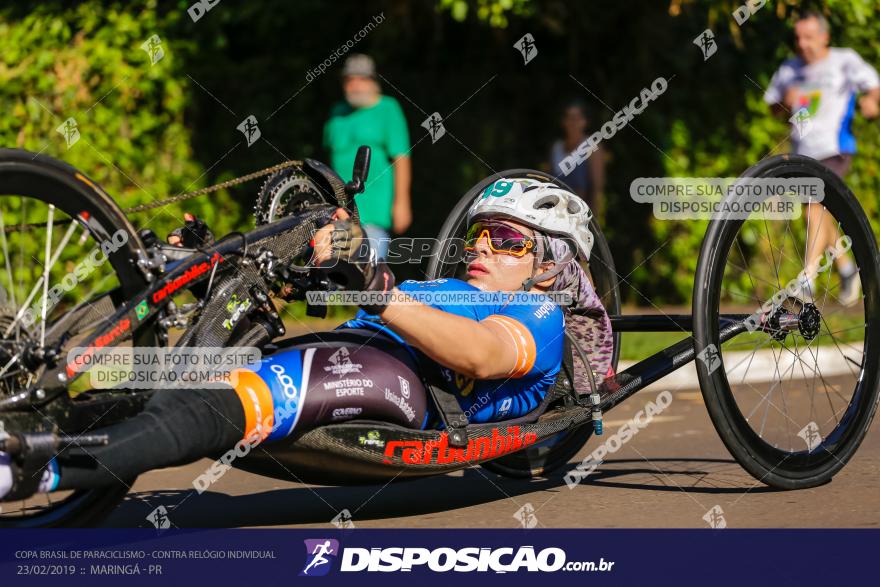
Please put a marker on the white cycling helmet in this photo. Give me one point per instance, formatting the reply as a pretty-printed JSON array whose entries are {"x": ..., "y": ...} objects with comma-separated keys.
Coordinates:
[{"x": 543, "y": 206}]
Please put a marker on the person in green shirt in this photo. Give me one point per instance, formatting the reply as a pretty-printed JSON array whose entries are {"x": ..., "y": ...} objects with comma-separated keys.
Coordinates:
[{"x": 366, "y": 117}]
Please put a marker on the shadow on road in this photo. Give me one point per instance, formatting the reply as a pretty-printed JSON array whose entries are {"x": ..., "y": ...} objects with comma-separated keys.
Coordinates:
[
  {"x": 704, "y": 476},
  {"x": 424, "y": 497}
]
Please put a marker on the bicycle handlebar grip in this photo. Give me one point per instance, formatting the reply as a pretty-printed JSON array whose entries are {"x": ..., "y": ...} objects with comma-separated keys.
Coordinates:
[
  {"x": 362, "y": 166},
  {"x": 39, "y": 445}
]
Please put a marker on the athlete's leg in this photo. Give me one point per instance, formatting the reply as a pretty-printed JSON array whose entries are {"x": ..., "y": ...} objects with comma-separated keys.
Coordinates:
[
  {"x": 298, "y": 387},
  {"x": 357, "y": 375},
  {"x": 176, "y": 427}
]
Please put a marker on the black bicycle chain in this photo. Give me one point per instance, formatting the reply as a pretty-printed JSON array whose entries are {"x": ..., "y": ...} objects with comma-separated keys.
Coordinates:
[
  {"x": 180, "y": 197},
  {"x": 213, "y": 188}
]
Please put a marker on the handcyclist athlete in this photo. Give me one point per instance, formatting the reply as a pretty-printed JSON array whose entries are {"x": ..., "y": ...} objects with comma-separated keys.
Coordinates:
[{"x": 498, "y": 357}]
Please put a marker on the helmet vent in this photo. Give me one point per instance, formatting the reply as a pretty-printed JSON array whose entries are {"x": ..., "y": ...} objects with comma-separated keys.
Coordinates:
[
  {"x": 574, "y": 207},
  {"x": 547, "y": 202}
]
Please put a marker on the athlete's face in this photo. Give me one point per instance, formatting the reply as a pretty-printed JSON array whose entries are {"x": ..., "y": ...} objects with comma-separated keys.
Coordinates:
[
  {"x": 810, "y": 41},
  {"x": 491, "y": 271}
]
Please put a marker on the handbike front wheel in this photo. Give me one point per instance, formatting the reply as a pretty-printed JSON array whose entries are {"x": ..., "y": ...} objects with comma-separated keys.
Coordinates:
[
  {"x": 61, "y": 274},
  {"x": 793, "y": 398}
]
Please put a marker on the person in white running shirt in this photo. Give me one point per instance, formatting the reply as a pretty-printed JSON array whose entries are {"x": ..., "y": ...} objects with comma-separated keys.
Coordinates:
[{"x": 818, "y": 91}]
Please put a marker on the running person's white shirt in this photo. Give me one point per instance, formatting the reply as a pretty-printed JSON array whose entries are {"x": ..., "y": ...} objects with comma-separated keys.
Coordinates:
[{"x": 828, "y": 92}]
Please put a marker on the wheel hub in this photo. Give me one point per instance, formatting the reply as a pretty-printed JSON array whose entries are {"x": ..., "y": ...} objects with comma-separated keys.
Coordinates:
[
  {"x": 794, "y": 315},
  {"x": 11, "y": 346}
]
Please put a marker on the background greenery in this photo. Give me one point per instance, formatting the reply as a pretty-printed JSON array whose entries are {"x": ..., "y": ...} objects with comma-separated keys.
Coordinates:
[{"x": 152, "y": 131}]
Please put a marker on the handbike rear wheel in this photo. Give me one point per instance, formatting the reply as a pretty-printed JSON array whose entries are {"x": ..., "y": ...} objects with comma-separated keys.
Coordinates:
[{"x": 801, "y": 427}]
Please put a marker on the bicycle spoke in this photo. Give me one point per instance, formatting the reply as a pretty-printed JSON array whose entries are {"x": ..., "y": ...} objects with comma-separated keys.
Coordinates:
[
  {"x": 769, "y": 283},
  {"x": 770, "y": 393},
  {"x": 759, "y": 345},
  {"x": 8, "y": 264},
  {"x": 42, "y": 281},
  {"x": 858, "y": 327},
  {"x": 749, "y": 273},
  {"x": 6, "y": 367},
  {"x": 46, "y": 268},
  {"x": 825, "y": 384},
  {"x": 813, "y": 380},
  {"x": 772, "y": 258},
  {"x": 764, "y": 398}
]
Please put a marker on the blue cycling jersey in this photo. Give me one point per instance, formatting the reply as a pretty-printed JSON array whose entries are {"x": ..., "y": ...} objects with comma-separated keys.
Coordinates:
[{"x": 534, "y": 323}]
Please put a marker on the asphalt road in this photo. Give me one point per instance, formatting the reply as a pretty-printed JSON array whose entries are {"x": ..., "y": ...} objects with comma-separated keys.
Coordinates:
[{"x": 672, "y": 474}]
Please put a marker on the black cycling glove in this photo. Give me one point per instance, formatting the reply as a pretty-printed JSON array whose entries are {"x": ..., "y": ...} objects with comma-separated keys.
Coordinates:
[
  {"x": 353, "y": 265},
  {"x": 194, "y": 233}
]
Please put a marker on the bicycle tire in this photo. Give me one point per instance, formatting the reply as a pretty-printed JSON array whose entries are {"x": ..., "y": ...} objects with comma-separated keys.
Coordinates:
[
  {"x": 53, "y": 182},
  {"x": 766, "y": 463}
]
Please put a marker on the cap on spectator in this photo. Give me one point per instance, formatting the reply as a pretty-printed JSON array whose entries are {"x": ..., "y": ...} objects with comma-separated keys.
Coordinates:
[{"x": 360, "y": 65}]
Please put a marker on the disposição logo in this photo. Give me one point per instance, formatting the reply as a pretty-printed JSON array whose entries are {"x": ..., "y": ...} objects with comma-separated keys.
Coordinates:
[{"x": 320, "y": 554}]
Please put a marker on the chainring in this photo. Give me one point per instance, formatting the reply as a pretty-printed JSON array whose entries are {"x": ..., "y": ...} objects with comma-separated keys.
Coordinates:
[{"x": 285, "y": 193}]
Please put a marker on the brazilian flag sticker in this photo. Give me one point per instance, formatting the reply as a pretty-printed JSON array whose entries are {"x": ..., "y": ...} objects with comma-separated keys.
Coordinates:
[{"x": 141, "y": 310}]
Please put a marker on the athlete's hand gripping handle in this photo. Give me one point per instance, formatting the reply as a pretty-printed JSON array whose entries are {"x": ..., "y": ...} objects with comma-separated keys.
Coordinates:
[{"x": 344, "y": 255}]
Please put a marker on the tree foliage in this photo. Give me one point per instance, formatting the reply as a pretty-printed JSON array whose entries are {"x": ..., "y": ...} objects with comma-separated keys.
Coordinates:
[
  {"x": 151, "y": 131},
  {"x": 86, "y": 62}
]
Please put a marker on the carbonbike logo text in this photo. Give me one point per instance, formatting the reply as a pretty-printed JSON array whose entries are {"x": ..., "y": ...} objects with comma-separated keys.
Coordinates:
[
  {"x": 97, "y": 257},
  {"x": 343, "y": 49},
  {"x": 417, "y": 452},
  {"x": 794, "y": 287},
  {"x": 620, "y": 119},
  {"x": 623, "y": 435},
  {"x": 464, "y": 560},
  {"x": 263, "y": 430},
  {"x": 194, "y": 272}
]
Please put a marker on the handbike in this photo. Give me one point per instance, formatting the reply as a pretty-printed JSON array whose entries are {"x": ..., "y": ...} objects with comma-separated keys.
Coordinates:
[{"x": 134, "y": 299}]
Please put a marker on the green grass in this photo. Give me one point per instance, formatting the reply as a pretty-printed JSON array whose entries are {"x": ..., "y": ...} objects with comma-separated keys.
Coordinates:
[{"x": 635, "y": 346}]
